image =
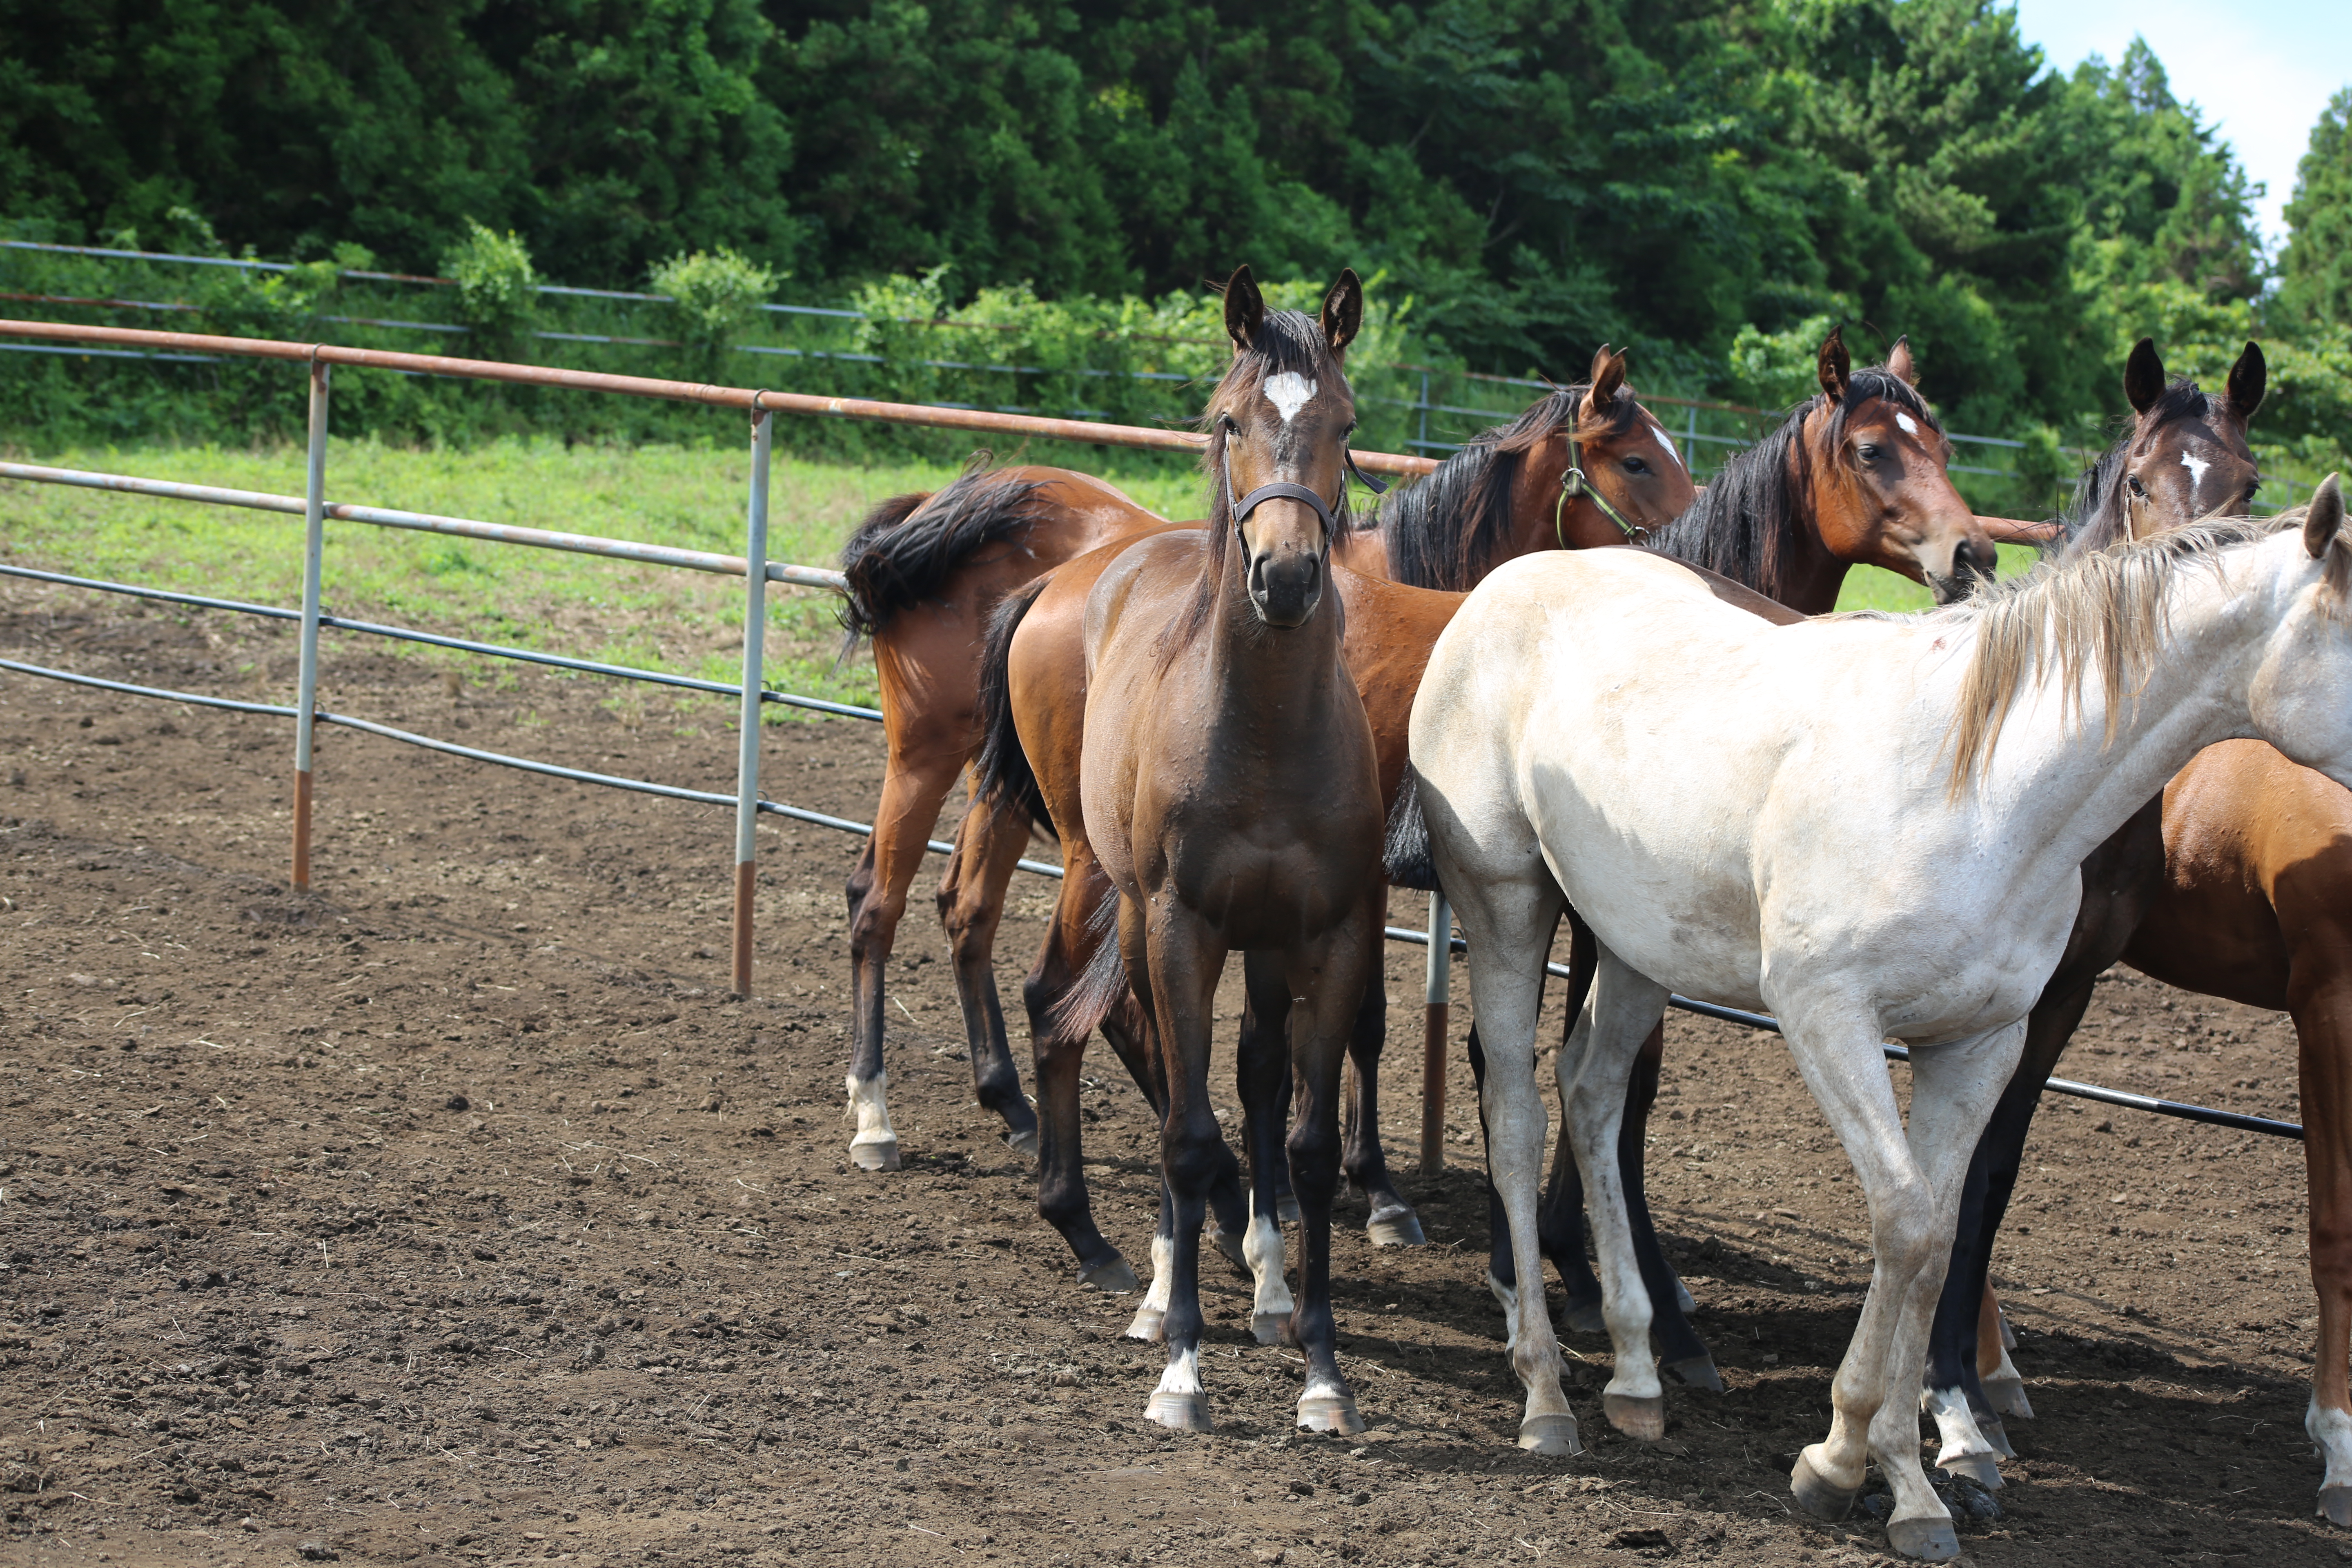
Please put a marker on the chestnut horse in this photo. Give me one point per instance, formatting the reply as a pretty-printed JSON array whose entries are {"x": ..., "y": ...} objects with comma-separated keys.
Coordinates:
[
  {"x": 925, "y": 571},
  {"x": 1227, "y": 792}
]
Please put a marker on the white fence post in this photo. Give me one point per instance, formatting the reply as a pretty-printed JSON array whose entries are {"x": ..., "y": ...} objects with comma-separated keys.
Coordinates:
[
  {"x": 1437, "y": 994},
  {"x": 306, "y": 701},
  {"x": 755, "y": 630}
]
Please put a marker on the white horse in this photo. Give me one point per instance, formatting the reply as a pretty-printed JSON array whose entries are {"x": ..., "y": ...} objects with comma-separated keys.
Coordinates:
[{"x": 1870, "y": 825}]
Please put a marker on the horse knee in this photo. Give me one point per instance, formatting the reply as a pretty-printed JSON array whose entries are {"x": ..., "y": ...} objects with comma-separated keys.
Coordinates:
[
  {"x": 1190, "y": 1156},
  {"x": 1903, "y": 1230},
  {"x": 971, "y": 924}
]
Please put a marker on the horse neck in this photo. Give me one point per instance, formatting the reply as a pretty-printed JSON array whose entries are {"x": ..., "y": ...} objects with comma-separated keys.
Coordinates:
[
  {"x": 2196, "y": 693},
  {"x": 1811, "y": 577}
]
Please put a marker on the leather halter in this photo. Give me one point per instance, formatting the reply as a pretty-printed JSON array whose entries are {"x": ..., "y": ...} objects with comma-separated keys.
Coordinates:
[
  {"x": 1283, "y": 489},
  {"x": 1575, "y": 483}
]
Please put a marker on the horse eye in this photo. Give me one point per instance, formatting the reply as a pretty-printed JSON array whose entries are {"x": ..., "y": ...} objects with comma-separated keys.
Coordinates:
[
  {"x": 1869, "y": 451},
  {"x": 1635, "y": 465},
  {"x": 2138, "y": 489}
]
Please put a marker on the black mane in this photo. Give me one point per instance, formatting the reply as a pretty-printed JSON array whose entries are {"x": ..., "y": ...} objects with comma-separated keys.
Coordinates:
[
  {"x": 1445, "y": 530},
  {"x": 1747, "y": 525}
]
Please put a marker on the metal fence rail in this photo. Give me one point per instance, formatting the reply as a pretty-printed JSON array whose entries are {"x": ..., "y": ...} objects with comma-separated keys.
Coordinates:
[{"x": 752, "y": 565}]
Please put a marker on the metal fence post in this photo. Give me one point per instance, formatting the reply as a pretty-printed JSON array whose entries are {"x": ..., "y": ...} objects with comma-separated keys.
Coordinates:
[
  {"x": 1690, "y": 441},
  {"x": 1433, "y": 1040},
  {"x": 1424, "y": 446},
  {"x": 755, "y": 631},
  {"x": 306, "y": 701}
]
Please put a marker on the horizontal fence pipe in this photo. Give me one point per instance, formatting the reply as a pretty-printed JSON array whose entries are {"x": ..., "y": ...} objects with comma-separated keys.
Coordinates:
[
  {"x": 1075, "y": 430},
  {"x": 429, "y": 522},
  {"x": 799, "y": 814},
  {"x": 462, "y": 645}
]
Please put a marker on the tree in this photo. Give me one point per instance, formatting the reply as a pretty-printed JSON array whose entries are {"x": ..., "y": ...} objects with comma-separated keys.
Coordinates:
[{"x": 2315, "y": 269}]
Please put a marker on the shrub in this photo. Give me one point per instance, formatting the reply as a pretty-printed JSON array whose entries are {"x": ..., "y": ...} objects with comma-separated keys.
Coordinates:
[
  {"x": 714, "y": 295},
  {"x": 497, "y": 289}
]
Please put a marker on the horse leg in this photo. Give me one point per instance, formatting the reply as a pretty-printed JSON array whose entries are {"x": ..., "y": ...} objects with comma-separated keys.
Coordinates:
[
  {"x": 1260, "y": 1074},
  {"x": 1509, "y": 926},
  {"x": 1595, "y": 1067},
  {"x": 1393, "y": 1222},
  {"x": 912, "y": 792},
  {"x": 1176, "y": 958},
  {"x": 1911, "y": 1182},
  {"x": 1059, "y": 1051},
  {"x": 988, "y": 849},
  {"x": 1966, "y": 1411},
  {"x": 1329, "y": 976},
  {"x": 1502, "y": 1273},
  {"x": 1129, "y": 1030},
  {"x": 2320, "y": 993},
  {"x": 1679, "y": 1347}
]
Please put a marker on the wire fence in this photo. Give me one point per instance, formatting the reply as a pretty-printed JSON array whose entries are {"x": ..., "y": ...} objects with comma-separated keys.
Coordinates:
[{"x": 752, "y": 566}]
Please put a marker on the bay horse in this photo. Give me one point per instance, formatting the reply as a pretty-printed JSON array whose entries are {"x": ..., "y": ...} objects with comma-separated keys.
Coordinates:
[
  {"x": 2183, "y": 456},
  {"x": 925, "y": 571},
  {"x": 1857, "y": 474},
  {"x": 1228, "y": 794},
  {"x": 2052, "y": 706}
]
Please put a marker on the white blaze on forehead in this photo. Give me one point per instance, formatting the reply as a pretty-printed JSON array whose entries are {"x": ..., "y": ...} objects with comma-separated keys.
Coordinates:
[
  {"x": 2196, "y": 467},
  {"x": 1668, "y": 443},
  {"x": 1288, "y": 392},
  {"x": 1909, "y": 429}
]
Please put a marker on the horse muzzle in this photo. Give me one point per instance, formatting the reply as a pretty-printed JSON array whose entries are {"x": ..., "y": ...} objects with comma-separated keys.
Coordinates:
[
  {"x": 1285, "y": 585},
  {"x": 1973, "y": 564}
]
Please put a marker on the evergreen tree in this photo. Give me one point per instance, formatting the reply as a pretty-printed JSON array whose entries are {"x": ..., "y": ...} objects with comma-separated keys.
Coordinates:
[{"x": 2316, "y": 270}]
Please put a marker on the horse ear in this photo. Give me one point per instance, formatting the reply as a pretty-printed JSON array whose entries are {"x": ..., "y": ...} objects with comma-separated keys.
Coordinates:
[
  {"x": 1898, "y": 362},
  {"x": 1244, "y": 308},
  {"x": 2325, "y": 516},
  {"x": 1608, "y": 376},
  {"x": 2248, "y": 378},
  {"x": 1836, "y": 367},
  {"x": 1343, "y": 310},
  {"x": 2143, "y": 377}
]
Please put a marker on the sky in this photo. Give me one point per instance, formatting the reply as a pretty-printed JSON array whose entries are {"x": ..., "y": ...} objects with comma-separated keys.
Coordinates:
[{"x": 2261, "y": 70}]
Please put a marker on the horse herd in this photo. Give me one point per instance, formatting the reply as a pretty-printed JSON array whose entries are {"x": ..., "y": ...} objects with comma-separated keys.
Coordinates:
[{"x": 1558, "y": 681}]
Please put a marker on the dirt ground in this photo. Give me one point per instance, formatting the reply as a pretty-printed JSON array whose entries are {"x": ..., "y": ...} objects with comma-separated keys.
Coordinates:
[{"x": 453, "y": 1213}]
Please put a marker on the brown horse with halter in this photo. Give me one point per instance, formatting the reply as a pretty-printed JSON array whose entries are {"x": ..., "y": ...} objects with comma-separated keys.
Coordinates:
[
  {"x": 1035, "y": 700},
  {"x": 1228, "y": 794},
  {"x": 925, "y": 571}
]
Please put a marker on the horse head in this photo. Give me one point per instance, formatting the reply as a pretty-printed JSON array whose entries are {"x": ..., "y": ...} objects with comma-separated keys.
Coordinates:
[
  {"x": 2185, "y": 456},
  {"x": 1875, "y": 457},
  {"x": 1278, "y": 426},
  {"x": 1601, "y": 471}
]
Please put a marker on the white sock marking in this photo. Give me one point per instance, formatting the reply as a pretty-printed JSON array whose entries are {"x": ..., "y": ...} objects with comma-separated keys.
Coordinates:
[
  {"x": 2332, "y": 1430},
  {"x": 1183, "y": 1374},
  {"x": 869, "y": 1109},
  {"x": 1262, "y": 1245},
  {"x": 1289, "y": 393}
]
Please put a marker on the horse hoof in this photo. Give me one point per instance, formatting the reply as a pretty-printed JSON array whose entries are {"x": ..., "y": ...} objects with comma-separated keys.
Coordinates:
[
  {"x": 1981, "y": 1468},
  {"x": 1642, "y": 1420},
  {"x": 1817, "y": 1494},
  {"x": 2336, "y": 1503},
  {"x": 1683, "y": 1298},
  {"x": 2007, "y": 1395},
  {"x": 1116, "y": 1276},
  {"x": 1229, "y": 1242},
  {"x": 1147, "y": 1325},
  {"x": 1553, "y": 1437},
  {"x": 2008, "y": 1335},
  {"x": 1272, "y": 1329},
  {"x": 1286, "y": 1209},
  {"x": 1397, "y": 1227},
  {"x": 1022, "y": 1143},
  {"x": 1184, "y": 1412},
  {"x": 1329, "y": 1412},
  {"x": 1928, "y": 1539},
  {"x": 1698, "y": 1371},
  {"x": 1996, "y": 1435},
  {"x": 881, "y": 1156},
  {"x": 1586, "y": 1318}
]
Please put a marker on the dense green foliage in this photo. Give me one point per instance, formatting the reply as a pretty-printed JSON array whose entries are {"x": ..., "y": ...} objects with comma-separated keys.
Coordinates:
[{"x": 1708, "y": 179}]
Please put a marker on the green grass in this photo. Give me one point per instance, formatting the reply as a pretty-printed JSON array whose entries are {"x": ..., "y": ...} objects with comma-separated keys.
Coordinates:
[
  {"x": 581, "y": 605},
  {"x": 1875, "y": 588}
]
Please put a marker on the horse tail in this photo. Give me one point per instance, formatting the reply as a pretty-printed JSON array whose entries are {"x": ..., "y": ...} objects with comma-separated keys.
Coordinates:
[
  {"x": 1405, "y": 855},
  {"x": 909, "y": 545},
  {"x": 1102, "y": 984},
  {"x": 1003, "y": 778}
]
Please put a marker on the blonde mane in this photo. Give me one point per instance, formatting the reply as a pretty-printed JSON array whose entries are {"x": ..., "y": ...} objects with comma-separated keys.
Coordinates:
[{"x": 2105, "y": 613}]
